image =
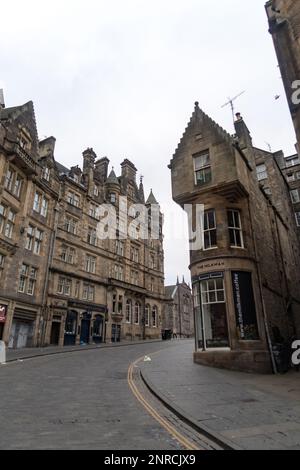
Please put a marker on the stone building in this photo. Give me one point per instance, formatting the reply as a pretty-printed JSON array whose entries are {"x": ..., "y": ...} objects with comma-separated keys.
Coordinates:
[
  {"x": 284, "y": 26},
  {"x": 178, "y": 312},
  {"x": 246, "y": 272},
  {"x": 61, "y": 283}
]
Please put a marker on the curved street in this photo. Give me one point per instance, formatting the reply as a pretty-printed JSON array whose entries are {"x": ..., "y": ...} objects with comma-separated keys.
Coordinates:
[
  {"x": 78, "y": 401},
  {"x": 97, "y": 399}
]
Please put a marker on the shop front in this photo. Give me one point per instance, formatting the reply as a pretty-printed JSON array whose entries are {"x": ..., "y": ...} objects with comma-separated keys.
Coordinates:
[
  {"x": 22, "y": 329},
  {"x": 85, "y": 324},
  {"x": 3, "y": 315},
  {"x": 226, "y": 322}
]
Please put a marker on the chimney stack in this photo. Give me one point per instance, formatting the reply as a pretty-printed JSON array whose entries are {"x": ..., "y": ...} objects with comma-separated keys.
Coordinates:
[
  {"x": 128, "y": 170},
  {"x": 2, "y": 103},
  {"x": 101, "y": 169}
]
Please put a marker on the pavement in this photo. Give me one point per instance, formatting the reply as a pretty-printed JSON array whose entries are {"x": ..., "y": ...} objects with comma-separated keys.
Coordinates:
[
  {"x": 27, "y": 353},
  {"x": 246, "y": 411}
]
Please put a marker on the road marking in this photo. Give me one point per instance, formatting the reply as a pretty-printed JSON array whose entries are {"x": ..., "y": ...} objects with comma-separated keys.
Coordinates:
[{"x": 189, "y": 445}]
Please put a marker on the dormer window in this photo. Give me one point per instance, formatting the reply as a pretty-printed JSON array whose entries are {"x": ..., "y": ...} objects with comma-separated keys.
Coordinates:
[
  {"x": 96, "y": 191},
  {"x": 202, "y": 168},
  {"x": 46, "y": 174},
  {"x": 25, "y": 140},
  {"x": 113, "y": 198}
]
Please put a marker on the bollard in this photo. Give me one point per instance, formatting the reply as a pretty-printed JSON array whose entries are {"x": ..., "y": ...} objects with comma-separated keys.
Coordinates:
[{"x": 2, "y": 353}]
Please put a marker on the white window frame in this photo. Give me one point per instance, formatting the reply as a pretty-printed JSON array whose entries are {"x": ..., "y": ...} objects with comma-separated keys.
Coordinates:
[
  {"x": 46, "y": 173},
  {"x": 209, "y": 230},
  {"x": 261, "y": 171},
  {"x": 88, "y": 292},
  {"x": 73, "y": 199},
  {"x": 64, "y": 286},
  {"x": 90, "y": 264},
  {"x": 236, "y": 228},
  {"x": 154, "y": 317},
  {"x": 71, "y": 225},
  {"x": 27, "y": 279},
  {"x": 147, "y": 315},
  {"x": 294, "y": 192},
  {"x": 128, "y": 314},
  {"x": 92, "y": 236},
  {"x": 137, "y": 313},
  {"x": 202, "y": 164}
]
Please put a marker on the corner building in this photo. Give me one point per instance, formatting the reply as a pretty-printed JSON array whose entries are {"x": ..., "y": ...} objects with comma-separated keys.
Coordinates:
[{"x": 246, "y": 276}]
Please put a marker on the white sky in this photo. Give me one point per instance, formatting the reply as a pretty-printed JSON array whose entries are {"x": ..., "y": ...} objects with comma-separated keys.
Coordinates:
[{"x": 122, "y": 76}]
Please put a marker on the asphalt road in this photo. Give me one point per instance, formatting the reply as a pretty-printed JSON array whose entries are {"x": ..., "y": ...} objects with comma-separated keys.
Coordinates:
[{"x": 77, "y": 401}]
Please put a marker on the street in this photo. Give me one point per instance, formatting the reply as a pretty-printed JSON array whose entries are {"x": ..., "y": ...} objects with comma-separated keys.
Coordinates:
[
  {"x": 111, "y": 398},
  {"x": 77, "y": 401}
]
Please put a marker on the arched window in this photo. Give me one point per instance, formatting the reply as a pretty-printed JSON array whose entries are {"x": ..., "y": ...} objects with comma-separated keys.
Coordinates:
[
  {"x": 147, "y": 315},
  {"x": 154, "y": 317},
  {"x": 137, "y": 311},
  {"x": 128, "y": 311}
]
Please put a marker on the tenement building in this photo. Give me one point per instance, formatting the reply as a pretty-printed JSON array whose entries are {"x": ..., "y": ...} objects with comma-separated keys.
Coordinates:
[
  {"x": 178, "y": 312},
  {"x": 284, "y": 26},
  {"x": 78, "y": 264},
  {"x": 246, "y": 271}
]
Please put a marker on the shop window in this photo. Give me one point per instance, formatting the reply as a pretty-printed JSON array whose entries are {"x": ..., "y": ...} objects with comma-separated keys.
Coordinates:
[{"x": 210, "y": 305}]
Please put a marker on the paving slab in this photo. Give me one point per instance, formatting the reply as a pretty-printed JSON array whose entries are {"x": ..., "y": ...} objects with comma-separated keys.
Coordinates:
[{"x": 250, "y": 411}]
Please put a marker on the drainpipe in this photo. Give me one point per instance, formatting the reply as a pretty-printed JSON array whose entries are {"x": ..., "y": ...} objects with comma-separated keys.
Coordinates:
[
  {"x": 49, "y": 261},
  {"x": 275, "y": 371}
]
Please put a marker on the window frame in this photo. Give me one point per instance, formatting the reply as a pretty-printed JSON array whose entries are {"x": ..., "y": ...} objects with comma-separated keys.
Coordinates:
[
  {"x": 205, "y": 168},
  {"x": 208, "y": 230},
  {"x": 262, "y": 175},
  {"x": 235, "y": 229}
]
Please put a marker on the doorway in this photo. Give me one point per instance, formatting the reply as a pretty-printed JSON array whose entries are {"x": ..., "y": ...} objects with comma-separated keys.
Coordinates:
[
  {"x": 55, "y": 333},
  {"x": 85, "y": 328},
  {"x": 70, "y": 328},
  {"x": 98, "y": 329}
]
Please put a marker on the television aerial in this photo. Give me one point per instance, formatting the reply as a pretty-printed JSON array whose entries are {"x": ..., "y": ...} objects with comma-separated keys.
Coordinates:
[{"x": 231, "y": 103}]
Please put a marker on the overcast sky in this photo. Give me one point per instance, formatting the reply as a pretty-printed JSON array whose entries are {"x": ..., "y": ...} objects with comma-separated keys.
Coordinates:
[{"x": 122, "y": 76}]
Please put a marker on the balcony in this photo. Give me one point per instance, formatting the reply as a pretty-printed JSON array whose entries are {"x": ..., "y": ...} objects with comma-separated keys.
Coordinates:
[{"x": 22, "y": 159}]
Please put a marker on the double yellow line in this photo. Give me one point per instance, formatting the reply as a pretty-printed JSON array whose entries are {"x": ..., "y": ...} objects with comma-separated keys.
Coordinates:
[{"x": 165, "y": 424}]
